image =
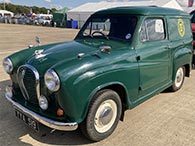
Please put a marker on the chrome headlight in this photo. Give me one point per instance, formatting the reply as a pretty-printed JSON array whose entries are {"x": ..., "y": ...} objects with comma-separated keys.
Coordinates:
[
  {"x": 52, "y": 80},
  {"x": 8, "y": 65}
]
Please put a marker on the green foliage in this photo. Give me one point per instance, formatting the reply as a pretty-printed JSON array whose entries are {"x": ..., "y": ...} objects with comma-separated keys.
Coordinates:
[
  {"x": 53, "y": 10},
  {"x": 1, "y": 7},
  {"x": 18, "y": 9}
]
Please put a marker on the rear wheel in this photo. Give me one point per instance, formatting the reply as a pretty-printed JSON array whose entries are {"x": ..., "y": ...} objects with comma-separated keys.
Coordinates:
[
  {"x": 179, "y": 79},
  {"x": 103, "y": 115}
]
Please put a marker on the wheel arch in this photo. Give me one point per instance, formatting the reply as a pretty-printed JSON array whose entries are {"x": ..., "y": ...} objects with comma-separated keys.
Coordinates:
[
  {"x": 187, "y": 70},
  {"x": 119, "y": 88},
  {"x": 183, "y": 57}
]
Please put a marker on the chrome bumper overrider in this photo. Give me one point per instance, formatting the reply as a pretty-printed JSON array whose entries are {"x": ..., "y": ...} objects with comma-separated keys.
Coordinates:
[{"x": 45, "y": 121}]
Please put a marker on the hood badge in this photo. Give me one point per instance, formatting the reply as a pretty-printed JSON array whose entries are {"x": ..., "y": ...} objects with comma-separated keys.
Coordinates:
[{"x": 39, "y": 54}]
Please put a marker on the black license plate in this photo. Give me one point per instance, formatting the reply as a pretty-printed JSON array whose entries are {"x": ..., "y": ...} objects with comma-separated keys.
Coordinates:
[{"x": 28, "y": 120}]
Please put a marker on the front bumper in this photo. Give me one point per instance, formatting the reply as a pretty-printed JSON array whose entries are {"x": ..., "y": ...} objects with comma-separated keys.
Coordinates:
[{"x": 43, "y": 120}]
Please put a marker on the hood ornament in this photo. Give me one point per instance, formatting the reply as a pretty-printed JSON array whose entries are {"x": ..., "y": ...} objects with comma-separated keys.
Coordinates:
[{"x": 38, "y": 40}]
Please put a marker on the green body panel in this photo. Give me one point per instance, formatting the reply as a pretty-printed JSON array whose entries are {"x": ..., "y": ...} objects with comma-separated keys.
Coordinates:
[
  {"x": 22, "y": 57},
  {"x": 146, "y": 11},
  {"x": 141, "y": 69},
  {"x": 90, "y": 74}
]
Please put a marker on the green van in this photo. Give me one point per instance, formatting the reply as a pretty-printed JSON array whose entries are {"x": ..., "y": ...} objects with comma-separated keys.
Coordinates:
[{"x": 120, "y": 58}]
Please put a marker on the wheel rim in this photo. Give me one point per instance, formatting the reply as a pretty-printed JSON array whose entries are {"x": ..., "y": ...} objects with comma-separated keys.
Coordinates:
[
  {"x": 105, "y": 116},
  {"x": 179, "y": 77}
]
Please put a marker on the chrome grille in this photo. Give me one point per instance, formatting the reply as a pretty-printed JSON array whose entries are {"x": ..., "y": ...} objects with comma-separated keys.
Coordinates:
[{"x": 28, "y": 80}]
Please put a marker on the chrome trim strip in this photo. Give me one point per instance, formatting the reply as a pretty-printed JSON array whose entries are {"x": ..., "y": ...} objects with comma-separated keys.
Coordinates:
[
  {"x": 45, "y": 121},
  {"x": 21, "y": 83},
  {"x": 36, "y": 73},
  {"x": 23, "y": 88}
]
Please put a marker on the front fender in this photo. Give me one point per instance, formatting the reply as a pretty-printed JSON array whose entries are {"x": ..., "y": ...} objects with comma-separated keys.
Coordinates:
[{"x": 77, "y": 92}]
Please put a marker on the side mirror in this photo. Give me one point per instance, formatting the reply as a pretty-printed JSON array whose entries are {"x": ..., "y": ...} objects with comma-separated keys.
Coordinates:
[{"x": 106, "y": 49}]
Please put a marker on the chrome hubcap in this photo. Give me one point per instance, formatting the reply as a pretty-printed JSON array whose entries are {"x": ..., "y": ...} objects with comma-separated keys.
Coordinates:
[
  {"x": 105, "y": 116},
  {"x": 179, "y": 77}
]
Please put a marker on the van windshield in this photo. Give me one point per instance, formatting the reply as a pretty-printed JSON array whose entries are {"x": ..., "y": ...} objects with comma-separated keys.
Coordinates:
[{"x": 119, "y": 27}]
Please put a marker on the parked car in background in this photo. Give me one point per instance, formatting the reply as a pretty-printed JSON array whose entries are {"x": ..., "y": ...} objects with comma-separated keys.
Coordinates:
[
  {"x": 14, "y": 20},
  {"x": 120, "y": 58},
  {"x": 5, "y": 19},
  {"x": 44, "y": 19},
  {"x": 36, "y": 21},
  {"x": 1, "y": 19},
  {"x": 23, "y": 20}
]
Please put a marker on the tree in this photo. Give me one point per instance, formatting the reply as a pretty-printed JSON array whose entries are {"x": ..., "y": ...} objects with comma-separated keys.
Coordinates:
[
  {"x": 53, "y": 10},
  {"x": 18, "y": 9},
  {"x": 11, "y": 8},
  {"x": 43, "y": 10},
  {"x": 1, "y": 7}
]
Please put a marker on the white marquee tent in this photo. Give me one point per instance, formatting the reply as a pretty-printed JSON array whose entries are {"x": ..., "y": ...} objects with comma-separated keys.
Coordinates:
[
  {"x": 6, "y": 13},
  {"x": 82, "y": 12}
]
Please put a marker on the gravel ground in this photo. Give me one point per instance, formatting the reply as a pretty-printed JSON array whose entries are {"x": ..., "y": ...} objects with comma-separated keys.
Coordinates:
[{"x": 167, "y": 119}]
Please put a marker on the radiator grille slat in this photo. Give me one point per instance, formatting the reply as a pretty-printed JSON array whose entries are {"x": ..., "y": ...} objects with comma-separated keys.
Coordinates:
[{"x": 28, "y": 83}]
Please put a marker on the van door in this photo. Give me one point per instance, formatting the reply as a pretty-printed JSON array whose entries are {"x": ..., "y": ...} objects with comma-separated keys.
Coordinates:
[{"x": 153, "y": 55}]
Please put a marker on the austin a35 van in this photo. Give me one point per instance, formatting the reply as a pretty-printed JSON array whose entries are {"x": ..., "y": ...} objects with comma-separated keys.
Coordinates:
[{"x": 121, "y": 57}]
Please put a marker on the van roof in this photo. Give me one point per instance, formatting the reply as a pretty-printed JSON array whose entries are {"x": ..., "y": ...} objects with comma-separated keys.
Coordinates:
[{"x": 143, "y": 10}]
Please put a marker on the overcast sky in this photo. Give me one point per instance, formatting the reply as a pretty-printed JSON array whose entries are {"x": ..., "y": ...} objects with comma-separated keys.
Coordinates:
[{"x": 50, "y": 3}]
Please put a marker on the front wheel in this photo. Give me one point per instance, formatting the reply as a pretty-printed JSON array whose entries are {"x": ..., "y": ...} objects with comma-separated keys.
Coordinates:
[
  {"x": 179, "y": 79},
  {"x": 103, "y": 115}
]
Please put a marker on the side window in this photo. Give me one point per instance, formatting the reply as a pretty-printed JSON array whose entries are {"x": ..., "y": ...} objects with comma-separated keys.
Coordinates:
[
  {"x": 97, "y": 25},
  {"x": 152, "y": 29},
  {"x": 87, "y": 30}
]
